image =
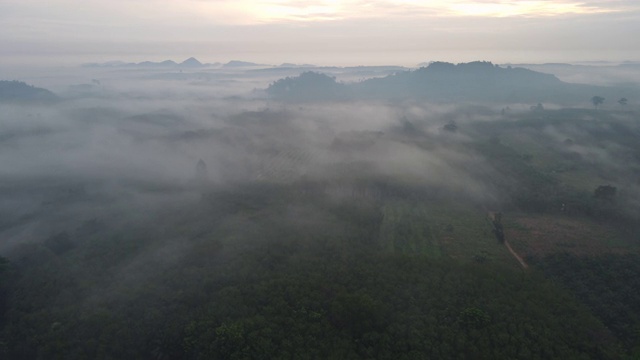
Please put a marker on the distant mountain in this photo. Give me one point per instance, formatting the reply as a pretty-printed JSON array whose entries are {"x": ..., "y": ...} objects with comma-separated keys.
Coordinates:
[
  {"x": 480, "y": 81},
  {"x": 168, "y": 63},
  {"x": 291, "y": 65},
  {"x": 440, "y": 81},
  {"x": 629, "y": 64},
  {"x": 238, "y": 63},
  {"x": 189, "y": 63},
  {"x": 155, "y": 64},
  {"x": 18, "y": 91}
]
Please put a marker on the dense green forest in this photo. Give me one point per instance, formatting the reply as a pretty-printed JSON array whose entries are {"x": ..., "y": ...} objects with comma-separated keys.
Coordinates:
[
  {"x": 363, "y": 263},
  {"x": 290, "y": 293}
]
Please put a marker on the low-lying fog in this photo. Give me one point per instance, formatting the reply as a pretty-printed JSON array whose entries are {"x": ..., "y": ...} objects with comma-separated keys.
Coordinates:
[{"x": 122, "y": 144}]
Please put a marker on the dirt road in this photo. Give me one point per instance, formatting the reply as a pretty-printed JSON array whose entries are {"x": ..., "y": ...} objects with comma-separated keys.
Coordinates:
[
  {"x": 492, "y": 219},
  {"x": 515, "y": 255}
]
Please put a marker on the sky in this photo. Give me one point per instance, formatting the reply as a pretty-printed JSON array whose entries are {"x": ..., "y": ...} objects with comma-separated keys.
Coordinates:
[{"x": 323, "y": 32}]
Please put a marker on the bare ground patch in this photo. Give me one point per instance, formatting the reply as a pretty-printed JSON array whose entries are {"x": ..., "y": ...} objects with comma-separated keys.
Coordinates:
[{"x": 542, "y": 235}]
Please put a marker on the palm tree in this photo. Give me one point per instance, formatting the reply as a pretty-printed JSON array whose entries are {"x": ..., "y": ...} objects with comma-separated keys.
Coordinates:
[{"x": 597, "y": 100}]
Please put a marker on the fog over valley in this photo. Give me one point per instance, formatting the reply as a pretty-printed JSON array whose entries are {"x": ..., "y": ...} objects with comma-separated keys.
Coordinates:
[{"x": 237, "y": 210}]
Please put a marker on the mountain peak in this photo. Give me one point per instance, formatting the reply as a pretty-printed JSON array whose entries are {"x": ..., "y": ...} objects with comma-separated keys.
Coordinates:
[{"x": 191, "y": 62}]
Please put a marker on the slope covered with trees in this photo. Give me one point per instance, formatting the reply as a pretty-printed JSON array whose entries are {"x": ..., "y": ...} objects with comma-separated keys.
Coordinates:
[
  {"x": 290, "y": 292},
  {"x": 17, "y": 91},
  {"x": 478, "y": 81}
]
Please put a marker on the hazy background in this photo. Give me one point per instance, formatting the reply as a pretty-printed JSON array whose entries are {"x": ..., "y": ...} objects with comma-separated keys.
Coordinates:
[{"x": 404, "y": 32}]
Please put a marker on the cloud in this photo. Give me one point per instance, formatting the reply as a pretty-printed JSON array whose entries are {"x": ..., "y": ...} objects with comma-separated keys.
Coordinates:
[
  {"x": 524, "y": 8},
  {"x": 244, "y": 12},
  {"x": 316, "y": 30},
  {"x": 322, "y": 10}
]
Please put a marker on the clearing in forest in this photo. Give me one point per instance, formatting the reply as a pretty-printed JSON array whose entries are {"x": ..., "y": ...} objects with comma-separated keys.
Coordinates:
[{"x": 539, "y": 235}]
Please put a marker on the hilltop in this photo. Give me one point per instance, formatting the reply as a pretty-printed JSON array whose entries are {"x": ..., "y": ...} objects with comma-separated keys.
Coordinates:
[
  {"x": 20, "y": 91},
  {"x": 441, "y": 81}
]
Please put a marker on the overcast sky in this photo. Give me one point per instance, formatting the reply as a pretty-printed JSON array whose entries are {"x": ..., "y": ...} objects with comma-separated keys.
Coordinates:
[{"x": 403, "y": 32}]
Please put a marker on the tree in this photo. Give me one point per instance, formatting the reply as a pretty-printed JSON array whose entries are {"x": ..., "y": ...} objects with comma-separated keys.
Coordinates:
[
  {"x": 4, "y": 264},
  {"x": 605, "y": 192},
  {"x": 202, "y": 174},
  {"x": 622, "y": 101},
  {"x": 597, "y": 100},
  {"x": 537, "y": 107},
  {"x": 4, "y": 267},
  {"x": 451, "y": 126},
  {"x": 473, "y": 317},
  {"x": 498, "y": 230}
]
